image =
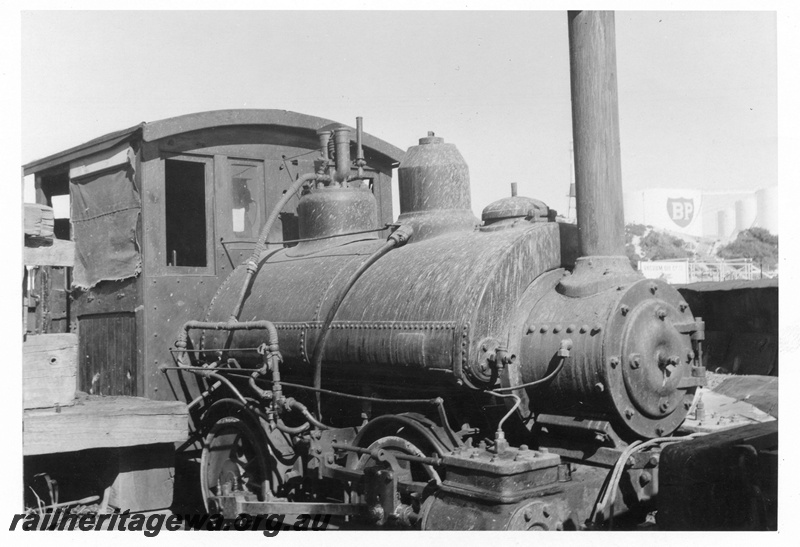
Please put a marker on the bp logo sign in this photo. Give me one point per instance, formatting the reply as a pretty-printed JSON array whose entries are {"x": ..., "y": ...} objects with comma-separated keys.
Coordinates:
[{"x": 681, "y": 211}]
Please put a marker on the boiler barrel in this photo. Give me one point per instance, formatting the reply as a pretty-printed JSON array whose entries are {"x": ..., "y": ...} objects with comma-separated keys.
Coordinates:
[{"x": 422, "y": 306}]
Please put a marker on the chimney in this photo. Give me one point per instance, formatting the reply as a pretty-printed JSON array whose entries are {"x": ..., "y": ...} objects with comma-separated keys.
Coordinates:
[{"x": 595, "y": 133}]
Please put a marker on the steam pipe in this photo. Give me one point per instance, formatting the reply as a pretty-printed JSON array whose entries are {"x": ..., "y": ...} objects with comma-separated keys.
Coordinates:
[
  {"x": 321, "y": 164},
  {"x": 263, "y": 393},
  {"x": 324, "y": 137},
  {"x": 396, "y": 239},
  {"x": 562, "y": 353},
  {"x": 293, "y": 404},
  {"x": 183, "y": 336},
  {"x": 341, "y": 137},
  {"x": 341, "y": 140},
  {"x": 435, "y": 401},
  {"x": 499, "y": 436},
  {"x": 261, "y": 244},
  {"x": 208, "y": 374},
  {"x": 595, "y": 131},
  {"x": 292, "y": 430},
  {"x": 203, "y": 395}
]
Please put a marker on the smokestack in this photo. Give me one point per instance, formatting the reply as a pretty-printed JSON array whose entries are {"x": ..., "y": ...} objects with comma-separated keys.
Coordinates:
[
  {"x": 598, "y": 180},
  {"x": 595, "y": 130}
]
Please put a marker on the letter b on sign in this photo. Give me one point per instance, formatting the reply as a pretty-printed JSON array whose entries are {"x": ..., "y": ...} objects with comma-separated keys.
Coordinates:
[{"x": 681, "y": 211}]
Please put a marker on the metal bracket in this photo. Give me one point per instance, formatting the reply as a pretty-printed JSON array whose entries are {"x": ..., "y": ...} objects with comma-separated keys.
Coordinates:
[{"x": 381, "y": 495}]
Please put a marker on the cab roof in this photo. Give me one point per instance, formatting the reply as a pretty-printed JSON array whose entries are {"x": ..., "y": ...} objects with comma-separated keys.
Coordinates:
[{"x": 292, "y": 123}]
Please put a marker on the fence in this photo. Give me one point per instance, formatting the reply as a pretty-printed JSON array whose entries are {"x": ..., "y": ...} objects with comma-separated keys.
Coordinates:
[{"x": 686, "y": 271}]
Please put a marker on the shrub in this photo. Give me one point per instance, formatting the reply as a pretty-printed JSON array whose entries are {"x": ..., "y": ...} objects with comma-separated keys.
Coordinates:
[{"x": 754, "y": 243}]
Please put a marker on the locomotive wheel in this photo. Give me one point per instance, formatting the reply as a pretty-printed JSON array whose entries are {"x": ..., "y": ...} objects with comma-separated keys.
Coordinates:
[
  {"x": 413, "y": 479},
  {"x": 234, "y": 459}
]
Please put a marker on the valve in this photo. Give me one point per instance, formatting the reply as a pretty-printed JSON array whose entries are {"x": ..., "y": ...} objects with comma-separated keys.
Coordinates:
[
  {"x": 564, "y": 348},
  {"x": 500, "y": 442}
]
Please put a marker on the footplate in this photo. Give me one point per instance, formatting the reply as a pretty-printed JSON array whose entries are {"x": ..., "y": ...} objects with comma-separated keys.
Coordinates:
[{"x": 240, "y": 503}]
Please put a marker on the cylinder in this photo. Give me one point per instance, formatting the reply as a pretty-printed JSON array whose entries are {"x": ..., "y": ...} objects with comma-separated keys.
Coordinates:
[
  {"x": 629, "y": 362},
  {"x": 767, "y": 209},
  {"x": 746, "y": 213},
  {"x": 595, "y": 129},
  {"x": 740, "y": 220},
  {"x": 725, "y": 226}
]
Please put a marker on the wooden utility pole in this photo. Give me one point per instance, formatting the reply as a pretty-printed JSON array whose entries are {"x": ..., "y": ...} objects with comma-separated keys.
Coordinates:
[{"x": 595, "y": 130}]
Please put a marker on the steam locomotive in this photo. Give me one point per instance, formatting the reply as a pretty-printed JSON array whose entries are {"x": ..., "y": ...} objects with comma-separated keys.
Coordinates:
[
  {"x": 433, "y": 371},
  {"x": 448, "y": 374},
  {"x": 436, "y": 371}
]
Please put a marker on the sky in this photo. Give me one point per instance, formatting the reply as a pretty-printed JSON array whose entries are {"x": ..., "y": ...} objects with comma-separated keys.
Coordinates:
[{"x": 697, "y": 90}]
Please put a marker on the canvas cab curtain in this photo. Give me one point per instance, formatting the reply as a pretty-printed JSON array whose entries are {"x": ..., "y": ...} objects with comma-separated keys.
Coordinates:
[{"x": 104, "y": 213}]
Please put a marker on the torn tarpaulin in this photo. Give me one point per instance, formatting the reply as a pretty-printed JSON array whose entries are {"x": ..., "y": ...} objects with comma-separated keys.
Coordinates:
[{"x": 105, "y": 214}]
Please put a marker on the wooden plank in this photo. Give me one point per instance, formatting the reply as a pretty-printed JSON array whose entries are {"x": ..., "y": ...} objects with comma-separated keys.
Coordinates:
[
  {"x": 759, "y": 391},
  {"x": 108, "y": 354},
  {"x": 721, "y": 412},
  {"x": 106, "y": 159},
  {"x": 38, "y": 223},
  {"x": 49, "y": 370},
  {"x": 60, "y": 253},
  {"x": 41, "y": 197},
  {"x": 104, "y": 422}
]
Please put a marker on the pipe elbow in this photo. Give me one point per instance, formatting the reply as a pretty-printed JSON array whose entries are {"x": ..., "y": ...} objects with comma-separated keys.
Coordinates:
[{"x": 401, "y": 235}]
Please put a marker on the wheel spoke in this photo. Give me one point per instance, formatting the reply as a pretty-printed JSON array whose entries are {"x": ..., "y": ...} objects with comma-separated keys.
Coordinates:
[{"x": 233, "y": 454}]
